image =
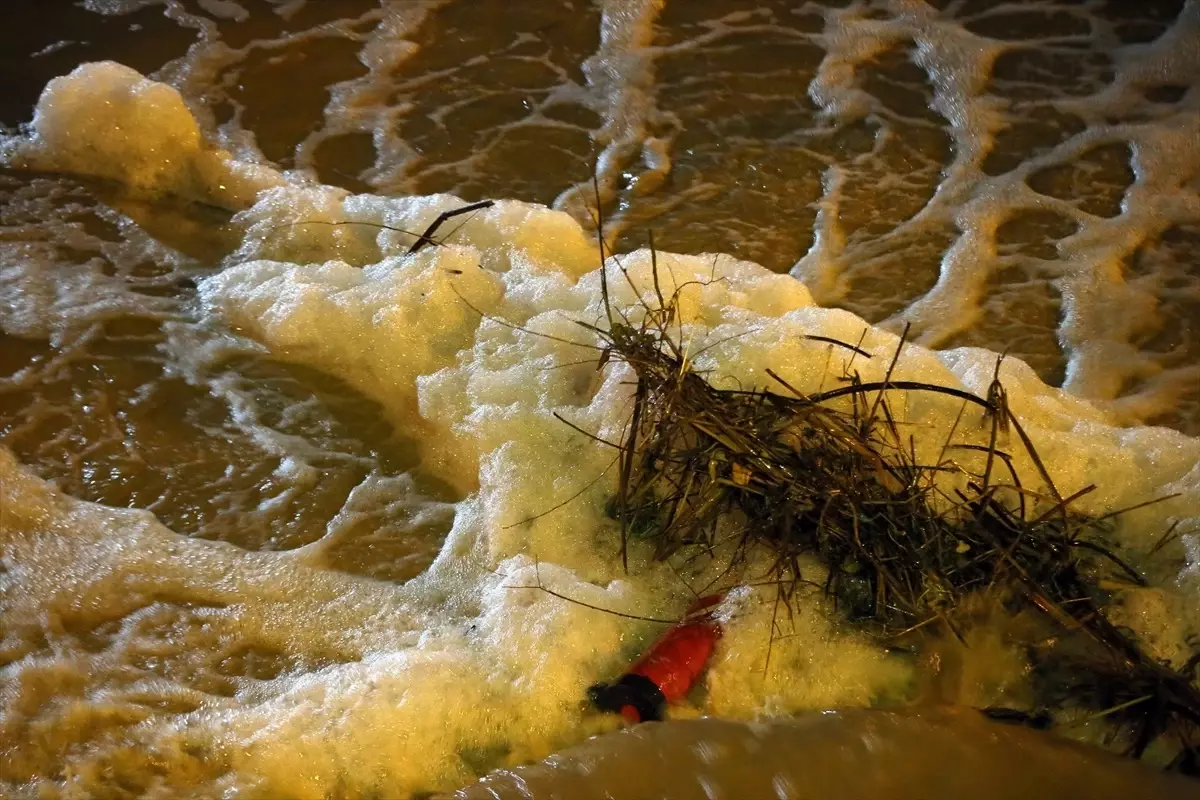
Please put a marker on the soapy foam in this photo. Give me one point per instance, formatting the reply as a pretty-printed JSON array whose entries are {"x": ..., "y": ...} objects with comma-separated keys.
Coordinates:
[
  {"x": 458, "y": 669},
  {"x": 137, "y": 656},
  {"x": 170, "y": 151}
]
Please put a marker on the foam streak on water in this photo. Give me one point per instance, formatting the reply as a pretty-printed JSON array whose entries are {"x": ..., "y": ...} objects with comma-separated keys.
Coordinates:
[
  {"x": 994, "y": 174},
  {"x": 321, "y": 476}
]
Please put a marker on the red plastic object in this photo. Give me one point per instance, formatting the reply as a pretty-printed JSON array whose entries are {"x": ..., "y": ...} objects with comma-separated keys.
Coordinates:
[{"x": 668, "y": 670}]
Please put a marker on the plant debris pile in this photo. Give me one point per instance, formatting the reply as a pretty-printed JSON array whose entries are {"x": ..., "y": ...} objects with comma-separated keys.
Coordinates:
[{"x": 834, "y": 476}]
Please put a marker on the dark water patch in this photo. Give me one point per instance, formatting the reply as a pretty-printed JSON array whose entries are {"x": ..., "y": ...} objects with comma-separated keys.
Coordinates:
[
  {"x": 1019, "y": 316},
  {"x": 1031, "y": 129},
  {"x": 40, "y": 41},
  {"x": 900, "y": 85},
  {"x": 1025, "y": 72},
  {"x": 1095, "y": 182},
  {"x": 1168, "y": 270},
  {"x": 281, "y": 120},
  {"x": 884, "y": 285},
  {"x": 681, "y": 22},
  {"x": 473, "y": 108},
  {"x": 744, "y": 134},
  {"x": 1136, "y": 23},
  {"x": 1015, "y": 24},
  {"x": 1034, "y": 233},
  {"x": 756, "y": 182},
  {"x": 265, "y": 20},
  {"x": 903, "y": 170},
  {"x": 340, "y": 160},
  {"x": 1165, "y": 93}
]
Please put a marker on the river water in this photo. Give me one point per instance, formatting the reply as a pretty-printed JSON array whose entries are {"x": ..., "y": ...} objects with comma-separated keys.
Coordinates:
[{"x": 310, "y": 456}]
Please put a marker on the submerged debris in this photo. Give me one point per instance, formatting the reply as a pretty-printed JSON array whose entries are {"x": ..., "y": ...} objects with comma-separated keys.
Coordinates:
[{"x": 832, "y": 476}]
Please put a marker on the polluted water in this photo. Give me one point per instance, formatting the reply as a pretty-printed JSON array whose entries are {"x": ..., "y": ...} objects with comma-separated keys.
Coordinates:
[{"x": 295, "y": 503}]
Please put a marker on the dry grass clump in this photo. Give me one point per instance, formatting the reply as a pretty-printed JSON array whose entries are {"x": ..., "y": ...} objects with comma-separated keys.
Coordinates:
[{"x": 833, "y": 476}]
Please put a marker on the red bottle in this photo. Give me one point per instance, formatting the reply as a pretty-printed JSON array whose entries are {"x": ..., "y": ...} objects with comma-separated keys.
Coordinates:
[{"x": 668, "y": 670}]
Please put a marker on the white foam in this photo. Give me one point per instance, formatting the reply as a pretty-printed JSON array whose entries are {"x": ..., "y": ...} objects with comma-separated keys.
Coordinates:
[
  {"x": 401, "y": 330},
  {"x": 459, "y": 670},
  {"x": 393, "y": 689},
  {"x": 1102, "y": 315},
  {"x": 106, "y": 120}
]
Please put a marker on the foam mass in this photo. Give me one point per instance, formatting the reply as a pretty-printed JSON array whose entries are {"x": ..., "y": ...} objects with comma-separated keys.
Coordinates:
[
  {"x": 473, "y": 347},
  {"x": 107, "y": 121}
]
